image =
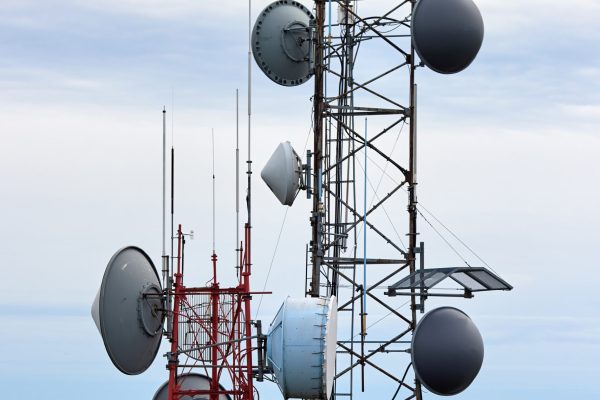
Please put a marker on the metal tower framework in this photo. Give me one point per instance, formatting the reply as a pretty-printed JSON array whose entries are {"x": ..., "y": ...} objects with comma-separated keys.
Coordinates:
[
  {"x": 212, "y": 333},
  {"x": 358, "y": 120}
]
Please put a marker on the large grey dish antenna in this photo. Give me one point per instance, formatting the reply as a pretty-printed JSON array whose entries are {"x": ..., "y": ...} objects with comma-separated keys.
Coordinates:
[
  {"x": 282, "y": 42},
  {"x": 189, "y": 381},
  {"x": 128, "y": 310},
  {"x": 301, "y": 347},
  {"x": 447, "y": 351},
  {"x": 447, "y": 34}
]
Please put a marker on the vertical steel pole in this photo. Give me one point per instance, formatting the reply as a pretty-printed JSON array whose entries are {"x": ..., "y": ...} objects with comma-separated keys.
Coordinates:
[
  {"x": 173, "y": 358},
  {"x": 165, "y": 265},
  {"x": 165, "y": 258},
  {"x": 412, "y": 191},
  {"x": 214, "y": 384},
  {"x": 170, "y": 267},
  {"x": 318, "y": 102},
  {"x": 237, "y": 177},
  {"x": 248, "y": 327},
  {"x": 249, "y": 161},
  {"x": 247, "y": 265}
]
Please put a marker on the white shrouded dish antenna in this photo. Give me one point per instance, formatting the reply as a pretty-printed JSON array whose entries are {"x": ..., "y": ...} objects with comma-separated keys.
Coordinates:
[
  {"x": 283, "y": 173},
  {"x": 189, "y": 381},
  {"x": 301, "y": 347},
  {"x": 128, "y": 310}
]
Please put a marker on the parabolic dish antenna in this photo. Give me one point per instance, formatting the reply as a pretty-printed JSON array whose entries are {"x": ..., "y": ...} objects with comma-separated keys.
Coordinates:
[
  {"x": 189, "y": 381},
  {"x": 447, "y": 34},
  {"x": 281, "y": 42},
  {"x": 128, "y": 310},
  {"x": 282, "y": 173},
  {"x": 301, "y": 347},
  {"x": 447, "y": 351}
]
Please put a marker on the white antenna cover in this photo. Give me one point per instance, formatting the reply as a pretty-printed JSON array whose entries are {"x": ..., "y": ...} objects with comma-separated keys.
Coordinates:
[
  {"x": 283, "y": 173},
  {"x": 301, "y": 347}
]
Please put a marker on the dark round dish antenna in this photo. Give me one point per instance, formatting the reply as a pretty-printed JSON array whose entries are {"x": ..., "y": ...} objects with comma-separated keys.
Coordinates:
[
  {"x": 128, "y": 310},
  {"x": 447, "y": 351},
  {"x": 447, "y": 34},
  {"x": 281, "y": 42},
  {"x": 189, "y": 381}
]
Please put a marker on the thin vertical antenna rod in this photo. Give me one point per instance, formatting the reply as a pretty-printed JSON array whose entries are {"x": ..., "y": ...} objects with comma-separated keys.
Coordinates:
[
  {"x": 172, "y": 199},
  {"x": 213, "y": 190},
  {"x": 165, "y": 265},
  {"x": 365, "y": 237},
  {"x": 364, "y": 288},
  {"x": 249, "y": 162},
  {"x": 172, "y": 172},
  {"x": 164, "y": 178},
  {"x": 237, "y": 175},
  {"x": 170, "y": 265},
  {"x": 165, "y": 258}
]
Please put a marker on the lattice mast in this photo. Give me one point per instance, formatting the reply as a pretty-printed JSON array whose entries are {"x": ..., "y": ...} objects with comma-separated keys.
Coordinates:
[
  {"x": 335, "y": 214},
  {"x": 212, "y": 332}
]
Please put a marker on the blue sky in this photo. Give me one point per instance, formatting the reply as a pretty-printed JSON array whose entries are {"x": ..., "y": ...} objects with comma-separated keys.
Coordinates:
[{"x": 82, "y": 86}]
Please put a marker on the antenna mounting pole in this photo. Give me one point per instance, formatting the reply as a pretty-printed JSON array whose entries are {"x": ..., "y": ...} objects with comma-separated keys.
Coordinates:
[{"x": 316, "y": 217}]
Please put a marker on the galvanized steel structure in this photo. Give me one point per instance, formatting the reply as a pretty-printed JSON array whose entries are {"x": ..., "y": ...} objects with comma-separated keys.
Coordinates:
[{"x": 385, "y": 99}]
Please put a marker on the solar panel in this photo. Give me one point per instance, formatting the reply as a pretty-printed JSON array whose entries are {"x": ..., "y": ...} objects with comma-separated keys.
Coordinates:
[{"x": 471, "y": 279}]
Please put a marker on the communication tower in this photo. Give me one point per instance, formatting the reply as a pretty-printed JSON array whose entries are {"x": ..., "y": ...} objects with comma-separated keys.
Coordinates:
[
  {"x": 364, "y": 119},
  {"x": 363, "y": 158},
  {"x": 212, "y": 337}
]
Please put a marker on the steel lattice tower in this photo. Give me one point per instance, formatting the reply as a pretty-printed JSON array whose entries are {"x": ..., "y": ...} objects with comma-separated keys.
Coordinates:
[{"x": 354, "y": 115}]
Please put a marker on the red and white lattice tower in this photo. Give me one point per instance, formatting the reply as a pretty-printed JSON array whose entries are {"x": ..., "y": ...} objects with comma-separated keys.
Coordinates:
[{"x": 212, "y": 332}]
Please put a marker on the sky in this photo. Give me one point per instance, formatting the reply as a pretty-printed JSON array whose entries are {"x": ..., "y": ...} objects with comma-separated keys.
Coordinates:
[{"x": 507, "y": 159}]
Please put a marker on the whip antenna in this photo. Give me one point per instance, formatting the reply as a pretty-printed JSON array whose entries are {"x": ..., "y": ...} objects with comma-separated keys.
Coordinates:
[{"x": 213, "y": 189}]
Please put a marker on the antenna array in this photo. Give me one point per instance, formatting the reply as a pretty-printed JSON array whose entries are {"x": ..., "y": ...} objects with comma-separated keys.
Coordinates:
[
  {"x": 317, "y": 346},
  {"x": 365, "y": 68}
]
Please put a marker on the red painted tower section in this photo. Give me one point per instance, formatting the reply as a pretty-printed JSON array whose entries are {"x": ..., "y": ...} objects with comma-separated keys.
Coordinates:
[{"x": 212, "y": 332}]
